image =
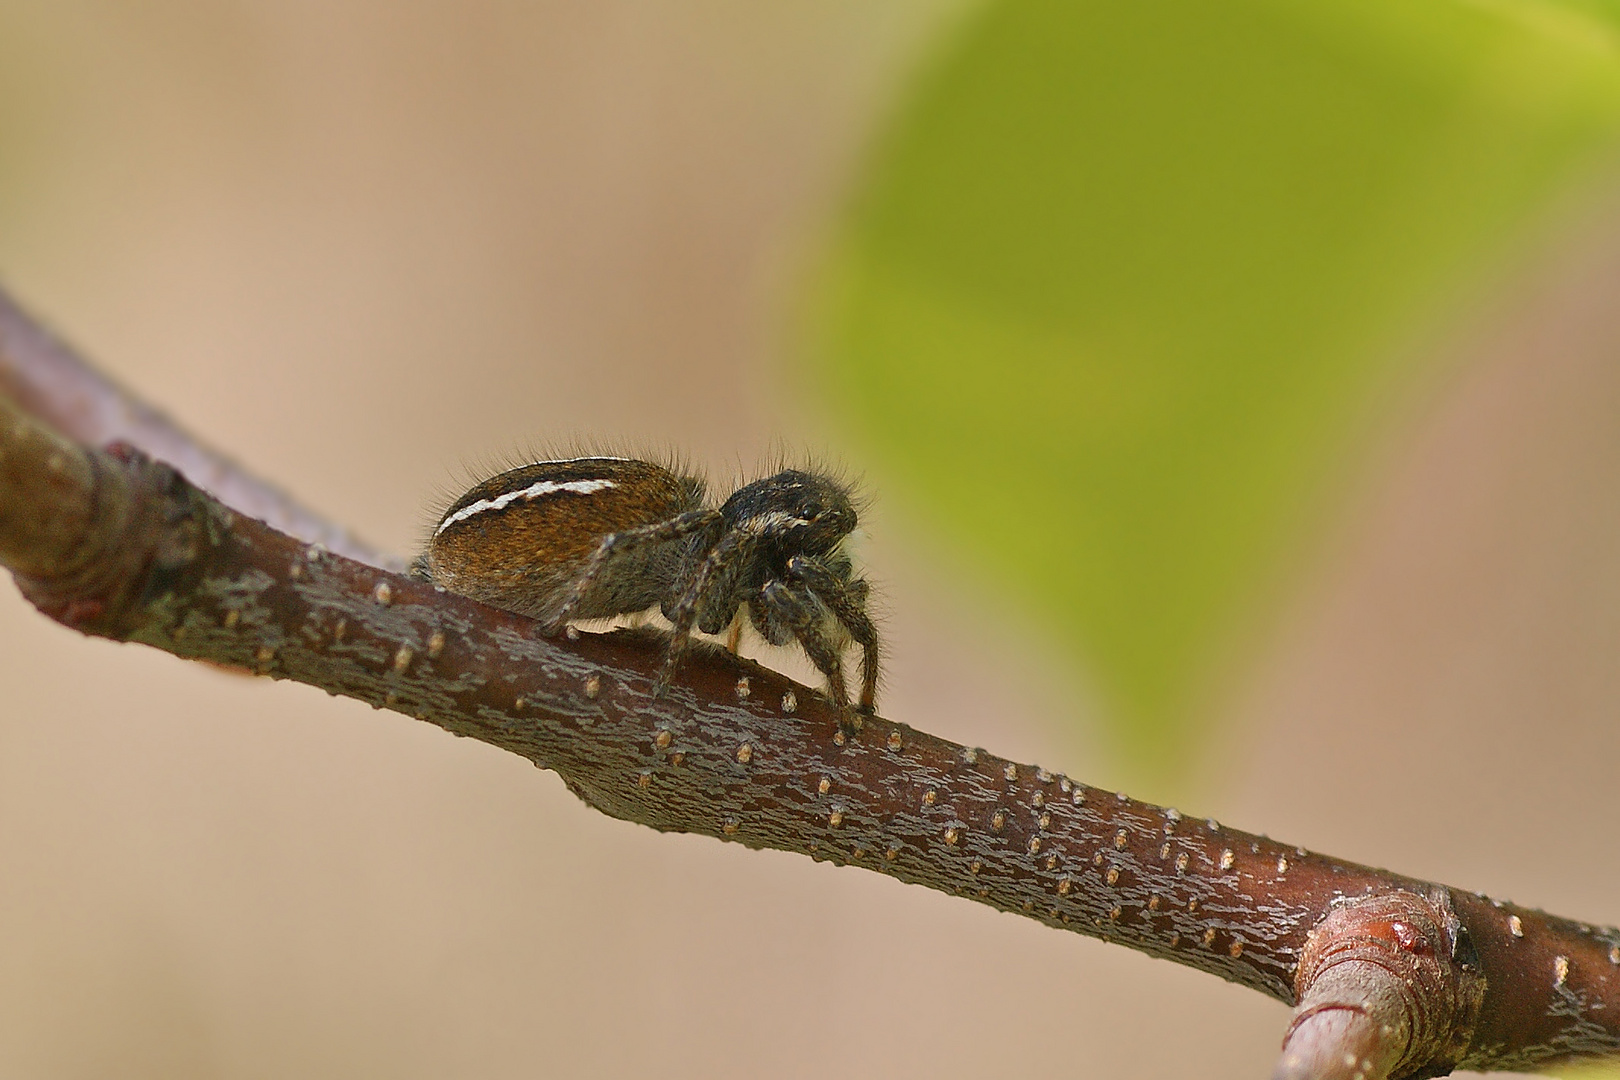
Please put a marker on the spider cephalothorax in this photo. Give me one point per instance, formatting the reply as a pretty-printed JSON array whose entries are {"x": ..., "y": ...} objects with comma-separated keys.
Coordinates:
[{"x": 594, "y": 537}]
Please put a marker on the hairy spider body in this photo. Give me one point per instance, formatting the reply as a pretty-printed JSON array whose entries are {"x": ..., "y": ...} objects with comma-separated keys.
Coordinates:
[{"x": 595, "y": 537}]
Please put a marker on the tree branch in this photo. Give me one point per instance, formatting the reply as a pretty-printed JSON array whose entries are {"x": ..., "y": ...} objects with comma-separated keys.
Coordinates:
[{"x": 1392, "y": 976}]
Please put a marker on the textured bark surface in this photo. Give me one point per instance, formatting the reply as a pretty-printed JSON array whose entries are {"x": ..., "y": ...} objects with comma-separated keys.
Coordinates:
[{"x": 743, "y": 754}]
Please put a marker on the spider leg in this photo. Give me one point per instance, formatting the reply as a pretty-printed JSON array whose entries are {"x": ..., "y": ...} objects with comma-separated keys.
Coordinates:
[
  {"x": 765, "y": 621},
  {"x": 846, "y": 599},
  {"x": 620, "y": 543},
  {"x": 802, "y": 613},
  {"x": 683, "y": 611},
  {"x": 721, "y": 600}
]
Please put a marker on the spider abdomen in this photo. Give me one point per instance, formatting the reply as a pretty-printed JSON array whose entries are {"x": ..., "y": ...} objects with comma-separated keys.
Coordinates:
[{"x": 519, "y": 540}]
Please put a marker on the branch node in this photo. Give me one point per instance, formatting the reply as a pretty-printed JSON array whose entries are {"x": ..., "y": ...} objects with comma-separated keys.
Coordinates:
[{"x": 1385, "y": 991}]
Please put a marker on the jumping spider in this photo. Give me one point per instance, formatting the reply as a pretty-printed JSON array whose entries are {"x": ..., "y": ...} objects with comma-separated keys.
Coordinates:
[{"x": 595, "y": 537}]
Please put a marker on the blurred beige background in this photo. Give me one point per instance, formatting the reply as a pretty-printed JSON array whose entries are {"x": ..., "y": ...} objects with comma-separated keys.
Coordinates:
[{"x": 359, "y": 244}]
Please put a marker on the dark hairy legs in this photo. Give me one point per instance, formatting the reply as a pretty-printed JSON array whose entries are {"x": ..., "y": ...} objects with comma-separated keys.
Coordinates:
[
  {"x": 797, "y": 604},
  {"x": 683, "y": 611},
  {"x": 846, "y": 599},
  {"x": 802, "y": 614}
]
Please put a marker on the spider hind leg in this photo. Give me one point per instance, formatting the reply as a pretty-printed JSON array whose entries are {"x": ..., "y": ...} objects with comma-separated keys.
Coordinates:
[{"x": 597, "y": 575}]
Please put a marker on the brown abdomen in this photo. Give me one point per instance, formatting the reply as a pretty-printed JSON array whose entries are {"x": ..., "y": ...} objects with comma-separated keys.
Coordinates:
[{"x": 517, "y": 540}]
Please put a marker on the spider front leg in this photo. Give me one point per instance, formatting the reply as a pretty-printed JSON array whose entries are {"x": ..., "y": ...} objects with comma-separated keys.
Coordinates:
[
  {"x": 700, "y": 589},
  {"x": 846, "y": 599},
  {"x": 800, "y": 612},
  {"x": 615, "y": 545}
]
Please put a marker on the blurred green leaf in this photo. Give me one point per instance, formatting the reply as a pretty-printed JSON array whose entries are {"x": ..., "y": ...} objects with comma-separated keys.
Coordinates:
[{"x": 1127, "y": 280}]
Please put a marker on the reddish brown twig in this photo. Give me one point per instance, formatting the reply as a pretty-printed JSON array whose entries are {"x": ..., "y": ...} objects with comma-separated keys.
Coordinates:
[{"x": 1393, "y": 976}]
